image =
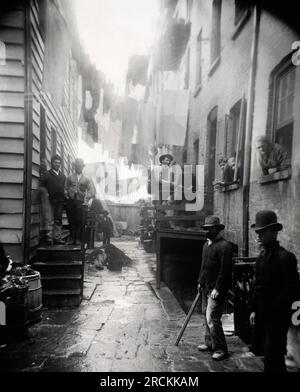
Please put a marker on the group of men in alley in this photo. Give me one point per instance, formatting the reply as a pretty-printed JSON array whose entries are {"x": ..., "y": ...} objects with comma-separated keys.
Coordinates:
[
  {"x": 74, "y": 192},
  {"x": 276, "y": 287}
]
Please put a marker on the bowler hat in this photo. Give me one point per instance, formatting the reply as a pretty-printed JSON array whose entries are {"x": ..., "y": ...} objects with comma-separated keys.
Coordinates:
[
  {"x": 265, "y": 219},
  {"x": 162, "y": 157},
  {"x": 212, "y": 221}
]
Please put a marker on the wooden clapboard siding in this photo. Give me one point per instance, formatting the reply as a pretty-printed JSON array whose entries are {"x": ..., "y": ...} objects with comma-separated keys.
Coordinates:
[
  {"x": 12, "y": 133},
  {"x": 11, "y": 191}
]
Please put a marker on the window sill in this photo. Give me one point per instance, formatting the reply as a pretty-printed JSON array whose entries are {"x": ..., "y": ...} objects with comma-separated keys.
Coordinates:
[
  {"x": 278, "y": 176},
  {"x": 230, "y": 187},
  {"x": 241, "y": 24},
  {"x": 197, "y": 90}
]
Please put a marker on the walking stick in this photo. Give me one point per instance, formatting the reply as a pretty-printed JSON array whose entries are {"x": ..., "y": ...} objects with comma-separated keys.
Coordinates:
[{"x": 187, "y": 319}]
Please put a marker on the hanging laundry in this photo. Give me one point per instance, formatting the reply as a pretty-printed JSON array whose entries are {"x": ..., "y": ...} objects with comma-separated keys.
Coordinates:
[{"x": 172, "y": 117}]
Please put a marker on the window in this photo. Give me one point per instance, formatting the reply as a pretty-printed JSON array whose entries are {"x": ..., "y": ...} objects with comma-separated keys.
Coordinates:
[
  {"x": 215, "y": 48},
  {"x": 53, "y": 141},
  {"x": 234, "y": 139},
  {"x": 283, "y": 115},
  {"x": 199, "y": 61}
]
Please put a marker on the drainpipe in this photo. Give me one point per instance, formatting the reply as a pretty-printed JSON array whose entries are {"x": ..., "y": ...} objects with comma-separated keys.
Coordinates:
[
  {"x": 27, "y": 134},
  {"x": 249, "y": 129}
]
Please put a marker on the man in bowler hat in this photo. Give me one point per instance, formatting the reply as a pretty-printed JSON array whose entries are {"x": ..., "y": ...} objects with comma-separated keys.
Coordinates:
[
  {"x": 275, "y": 289},
  {"x": 214, "y": 282}
]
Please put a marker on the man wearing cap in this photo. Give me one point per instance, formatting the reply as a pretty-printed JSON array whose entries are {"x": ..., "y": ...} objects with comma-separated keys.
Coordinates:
[
  {"x": 79, "y": 191},
  {"x": 275, "y": 289},
  {"x": 214, "y": 282}
]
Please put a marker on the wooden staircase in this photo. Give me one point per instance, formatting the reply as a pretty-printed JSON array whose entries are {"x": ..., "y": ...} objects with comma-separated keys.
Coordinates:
[{"x": 62, "y": 273}]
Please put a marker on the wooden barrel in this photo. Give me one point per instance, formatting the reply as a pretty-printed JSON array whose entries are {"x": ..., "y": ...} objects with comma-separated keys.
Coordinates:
[{"x": 34, "y": 297}]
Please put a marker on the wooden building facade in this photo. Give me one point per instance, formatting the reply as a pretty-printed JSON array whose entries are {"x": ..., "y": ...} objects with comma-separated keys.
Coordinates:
[{"x": 33, "y": 127}]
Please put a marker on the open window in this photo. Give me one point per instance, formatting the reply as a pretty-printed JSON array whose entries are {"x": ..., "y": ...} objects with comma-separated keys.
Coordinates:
[
  {"x": 231, "y": 162},
  {"x": 280, "y": 126}
]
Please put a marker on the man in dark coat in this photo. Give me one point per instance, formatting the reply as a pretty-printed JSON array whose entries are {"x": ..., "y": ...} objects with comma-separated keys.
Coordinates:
[
  {"x": 275, "y": 289},
  {"x": 214, "y": 282},
  {"x": 80, "y": 190},
  {"x": 54, "y": 182}
]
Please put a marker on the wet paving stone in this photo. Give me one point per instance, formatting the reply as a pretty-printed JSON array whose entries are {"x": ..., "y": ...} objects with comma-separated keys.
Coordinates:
[{"x": 123, "y": 324}]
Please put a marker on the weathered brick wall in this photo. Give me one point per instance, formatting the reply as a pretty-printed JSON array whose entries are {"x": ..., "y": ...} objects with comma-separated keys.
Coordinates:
[
  {"x": 223, "y": 89},
  {"x": 282, "y": 196}
]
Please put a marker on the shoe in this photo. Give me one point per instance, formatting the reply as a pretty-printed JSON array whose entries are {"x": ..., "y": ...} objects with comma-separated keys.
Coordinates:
[
  {"x": 204, "y": 347},
  {"x": 219, "y": 355}
]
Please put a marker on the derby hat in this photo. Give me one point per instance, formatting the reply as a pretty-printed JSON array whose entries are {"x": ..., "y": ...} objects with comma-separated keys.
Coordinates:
[
  {"x": 265, "y": 219},
  {"x": 212, "y": 221},
  {"x": 162, "y": 157}
]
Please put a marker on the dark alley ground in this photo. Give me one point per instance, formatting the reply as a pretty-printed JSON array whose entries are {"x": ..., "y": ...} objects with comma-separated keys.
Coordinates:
[{"x": 123, "y": 324}]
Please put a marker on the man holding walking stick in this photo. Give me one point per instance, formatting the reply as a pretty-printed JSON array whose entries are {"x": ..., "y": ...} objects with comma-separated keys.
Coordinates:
[{"x": 214, "y": 282}]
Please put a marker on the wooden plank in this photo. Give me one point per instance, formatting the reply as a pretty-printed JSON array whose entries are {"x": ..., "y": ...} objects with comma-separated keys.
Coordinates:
[
  {"x": 15, "y": 52},
  {"x": 12, "y": 35},
  {"x": 11, "y": 206},
  {"x": 12, "y": 83},
  {"x": 11, "y": 221},
  {"x": 35, "y": 183},
  {"x": 11, "y": 191},
  {"x": 8, "y": 130},
  {"x": 35, "y": 157},
  {"x": 8, "y": 99},
  {"x": 12, "y": 19},
  {"x": 11, "y": 161},
  {"x": 12, "y": 115},
  {"x": 11, "y": 236},
  {"x": 36, "y": 68},
  {"x": 36, "y": 131},
  {"x": 36, "y": 34},
  {"x": 35, "y": 196},
  {"x": 12, "y": 176},
  {"x": 12, "y": 68},
  {"x": 11, "y": 146},
  {"x": 36, "y": 144}
]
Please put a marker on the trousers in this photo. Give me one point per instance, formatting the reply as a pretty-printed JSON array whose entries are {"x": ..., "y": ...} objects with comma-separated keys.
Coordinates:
[{"x": 214, "y": 334}]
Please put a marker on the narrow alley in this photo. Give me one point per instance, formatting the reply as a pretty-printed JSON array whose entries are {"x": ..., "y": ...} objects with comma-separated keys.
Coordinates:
[{"x": 123, "y": 325}]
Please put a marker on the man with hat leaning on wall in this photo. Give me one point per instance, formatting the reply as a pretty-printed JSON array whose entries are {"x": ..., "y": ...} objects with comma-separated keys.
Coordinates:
[
  {"x": 214, "y": 282},
  {"x": 275, "y": 289},
  {"x": 80, "y": 190}
]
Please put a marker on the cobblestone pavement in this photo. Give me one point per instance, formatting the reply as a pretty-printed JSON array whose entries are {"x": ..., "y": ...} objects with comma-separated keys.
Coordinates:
[{"x": 123, "y": 324}]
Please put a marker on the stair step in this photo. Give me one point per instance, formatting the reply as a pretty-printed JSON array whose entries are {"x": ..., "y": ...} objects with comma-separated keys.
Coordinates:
[
  {"x": 58, "y": 263},
  {"x": 61, "y": 277},
  {"x": 61, "y": 292}
]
